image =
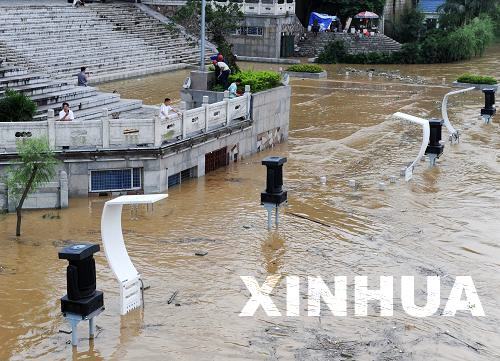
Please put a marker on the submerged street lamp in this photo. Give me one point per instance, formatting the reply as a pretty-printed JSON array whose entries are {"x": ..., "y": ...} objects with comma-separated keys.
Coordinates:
[
  {"x": 489, "y": 109},
  {"x": 274, "y": 196},
  {"x": 82, "y": 302},
  {"x": 435, "y": 147}
]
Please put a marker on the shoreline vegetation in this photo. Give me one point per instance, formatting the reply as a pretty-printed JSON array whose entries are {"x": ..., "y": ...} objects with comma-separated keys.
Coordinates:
[{"x": 465, "y": 31}]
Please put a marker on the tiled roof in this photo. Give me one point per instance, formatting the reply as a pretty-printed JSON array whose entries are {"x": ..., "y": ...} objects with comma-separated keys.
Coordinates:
[{"x": 430, "y": 6}]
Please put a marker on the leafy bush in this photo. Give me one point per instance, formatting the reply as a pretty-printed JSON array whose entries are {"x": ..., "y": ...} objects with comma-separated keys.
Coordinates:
[
  {"x": 439, "y": 46},
  {"x": 305, "y": 68},
  {"x": 411, "y": 27},
  {"x": 476, "y": 79},
  {"x": 333, "y": 53},
  {"x": 258, "y": 80},
  {"x": 16, "y": 107}
]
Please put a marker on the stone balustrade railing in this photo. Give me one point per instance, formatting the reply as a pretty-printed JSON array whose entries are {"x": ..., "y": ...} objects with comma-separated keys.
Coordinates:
[
  {"x": 109, "y": 133},
  {"x": 255, "y": 7}
]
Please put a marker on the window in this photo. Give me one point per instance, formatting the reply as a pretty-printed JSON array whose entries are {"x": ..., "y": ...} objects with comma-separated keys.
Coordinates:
[
  {"x": 115, "y": 179},
  {"x": 249, "y": 31}
]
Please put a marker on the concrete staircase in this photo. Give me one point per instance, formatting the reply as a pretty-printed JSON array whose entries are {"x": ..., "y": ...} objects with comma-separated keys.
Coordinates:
[
  {"x": 86, "y": 102},
  {"x": 114, "y": 40},
  {"x": 312, "y": 46}
]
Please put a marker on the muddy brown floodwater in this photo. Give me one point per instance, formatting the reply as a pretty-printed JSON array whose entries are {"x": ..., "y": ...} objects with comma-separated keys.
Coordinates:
[{"x": 444, "y": 223}]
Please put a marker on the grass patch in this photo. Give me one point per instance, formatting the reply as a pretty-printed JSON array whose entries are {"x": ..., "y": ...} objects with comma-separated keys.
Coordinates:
[
  {"x": 305, "y": 68},
  {"x": 476, "y": 79}
]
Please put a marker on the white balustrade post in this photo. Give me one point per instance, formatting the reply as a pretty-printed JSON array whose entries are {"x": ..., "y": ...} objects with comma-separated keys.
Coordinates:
[
  {"x": 105, "y": 128},
  {"x": 157, "y": 131},
  {"x": 182, "y": 106},
  {"x": 226, "y": 99},
  {"x": 51, "y": 128},
  {"x": 248, "y": 94},
  {"x": 205, "y": 107}
]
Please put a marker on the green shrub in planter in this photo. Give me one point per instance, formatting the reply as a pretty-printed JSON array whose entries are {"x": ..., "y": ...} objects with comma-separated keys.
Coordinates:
[
  {"x": 16, "y": 107},
  {"x": 258, "y": 80},
  {"x": 305, "y": 68},
  {"x": 476, "y": 79}
]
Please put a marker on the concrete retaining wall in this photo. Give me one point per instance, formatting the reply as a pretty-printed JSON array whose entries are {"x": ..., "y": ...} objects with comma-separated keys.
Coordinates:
[
  {"x": 297, "y": 74},
  {"x": 50, "y": 195}
]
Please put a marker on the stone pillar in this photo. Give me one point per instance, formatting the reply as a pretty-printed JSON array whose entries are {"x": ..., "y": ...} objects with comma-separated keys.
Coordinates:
[
  {"x": 105, "y": 128},
  {"x": 63, "y": 190},
  {"x": 205, "y": 107},
  {"x": 51, "y": 131},
  {"x": 226, "y": 99},
  {"x": 248, "y": 94},
  {"x": 3, "y": 197},
  {"x": 182, "y": 106},
  {"x": 157, "y": 132}
]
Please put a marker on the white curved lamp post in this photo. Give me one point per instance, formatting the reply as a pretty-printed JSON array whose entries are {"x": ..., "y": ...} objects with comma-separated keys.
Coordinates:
[
  {"x": 426, "y": 131},
  {"x": 454, "y": 134},
  {"x": 116, "y": 252}
]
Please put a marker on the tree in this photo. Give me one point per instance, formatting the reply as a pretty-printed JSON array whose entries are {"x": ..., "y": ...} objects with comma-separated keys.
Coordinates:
[
  {"x": 16, "y": 107},
  {"x": 37, "y": 166},
  {"x": 220, "y": 21},
  {"x": 411, "y": 26},
  {"x": 457, "y": 13}
]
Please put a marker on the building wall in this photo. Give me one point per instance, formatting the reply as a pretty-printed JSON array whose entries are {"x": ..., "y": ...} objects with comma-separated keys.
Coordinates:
[
  {"x": 393, "y": 10},
  {"x": 50, "y": 195},
  {"x": 268, "y": 45}
]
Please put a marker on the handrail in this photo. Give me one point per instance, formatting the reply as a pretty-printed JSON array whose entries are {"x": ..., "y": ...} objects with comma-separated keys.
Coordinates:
[
  {"x": 454, "y": 134},
  {"x": 425, "y": 140},
  {"x": 108, "y": 133}
]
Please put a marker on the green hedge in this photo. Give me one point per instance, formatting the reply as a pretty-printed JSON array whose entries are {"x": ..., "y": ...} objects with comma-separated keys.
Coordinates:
[
  {"x": 476, "y": 79},
  {"x": 258, "y": 80},
  {"x": 439, "y": 46},
  {"x": 305, "y": 68}
]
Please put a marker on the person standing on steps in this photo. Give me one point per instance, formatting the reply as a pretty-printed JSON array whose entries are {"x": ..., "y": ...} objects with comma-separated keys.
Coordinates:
[
  {"x": 66, "y": 113},
  {"x": 224, "y": 73},
  {"x": 82, "y": 77}
]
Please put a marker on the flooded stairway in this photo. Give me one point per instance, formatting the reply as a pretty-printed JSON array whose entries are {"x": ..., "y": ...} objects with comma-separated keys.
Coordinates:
[
  {"x": 86, "y": 102},
  {"x": 114, "y": 41},
  {"x": 312, "y": 46}
]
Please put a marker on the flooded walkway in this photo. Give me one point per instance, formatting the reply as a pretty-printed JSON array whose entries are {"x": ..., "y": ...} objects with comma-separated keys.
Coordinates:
[{"x": 444, "y": 223}]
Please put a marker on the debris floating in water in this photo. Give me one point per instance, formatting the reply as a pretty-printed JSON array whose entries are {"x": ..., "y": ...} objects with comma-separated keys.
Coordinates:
[
  {"x": 172, "y": 298},
  {"x": 353, "y": 184},
  {"x": 201, "y": 253},
  {"x": 322, "y": 179},
  {"x": 381, "y": 186}
]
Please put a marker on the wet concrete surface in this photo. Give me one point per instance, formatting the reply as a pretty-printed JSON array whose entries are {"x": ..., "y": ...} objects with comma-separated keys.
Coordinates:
[{"x": 443, "y": 223}]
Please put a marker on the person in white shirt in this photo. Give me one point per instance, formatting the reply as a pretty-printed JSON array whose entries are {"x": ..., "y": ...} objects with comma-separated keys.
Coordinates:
[
  {"x": 66, "y": 113},
  {"x": 224, "y": 73},
  {"x": 166, "y": 110}
]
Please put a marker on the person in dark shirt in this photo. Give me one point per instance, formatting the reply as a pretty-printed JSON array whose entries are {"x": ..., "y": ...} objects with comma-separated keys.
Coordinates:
[{"x": 82, "y": 77}]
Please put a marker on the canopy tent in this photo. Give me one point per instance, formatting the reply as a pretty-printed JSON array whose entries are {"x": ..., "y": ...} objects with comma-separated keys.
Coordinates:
[
  {"x": 324, "y": 20},
  {"x": 366, "y": 15}
]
